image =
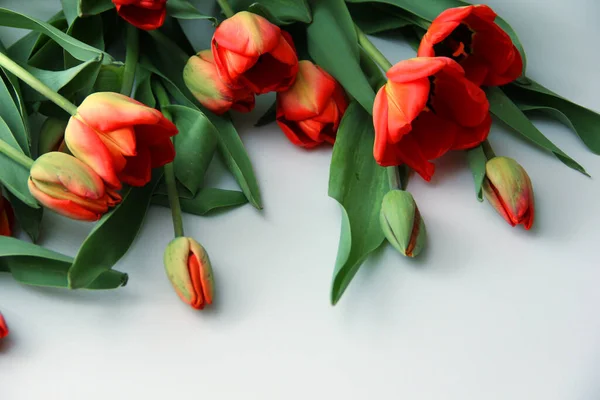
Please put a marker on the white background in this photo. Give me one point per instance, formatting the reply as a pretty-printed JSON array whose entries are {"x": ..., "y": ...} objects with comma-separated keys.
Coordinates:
[{"x": 488, "y": 311}]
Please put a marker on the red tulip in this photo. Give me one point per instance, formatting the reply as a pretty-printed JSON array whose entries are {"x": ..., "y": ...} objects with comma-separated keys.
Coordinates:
[
  {"x": 3, "y": 328},
  {"x": 509, "y": 190},
  {"x": 190, "y": 272},
  {"x": 202, "y": 79},
  {"x": 68, "y": 187},
  {"x": 144, "y": 14},
  {"x": 252, "y": 52},
  {"x": 309, "y": 113},
  {"x": 470, "y": 36},
  {"x": 120, "y": 139},
  {"x": 427, "y": 108},
  {"x": 7, "y": 217}
]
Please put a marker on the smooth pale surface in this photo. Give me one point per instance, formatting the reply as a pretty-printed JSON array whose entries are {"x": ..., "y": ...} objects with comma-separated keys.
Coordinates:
[{"x": 488, "y": 311}]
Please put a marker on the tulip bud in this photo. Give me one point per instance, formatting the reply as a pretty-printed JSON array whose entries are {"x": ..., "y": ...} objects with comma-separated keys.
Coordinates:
[
  {"x": 7, "y": 217},
  {"x": 3, "y": 328},
  {"x": 202, "y": 79},
  {"x": 52, "y": 136},
  {"x": 189, "y": 270},
  {"x": 67, "y": 186},
  {"x": 402, "y": 223},
  {"x": 508, "y": 189}
]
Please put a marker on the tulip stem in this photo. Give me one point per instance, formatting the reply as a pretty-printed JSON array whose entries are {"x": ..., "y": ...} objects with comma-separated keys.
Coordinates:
[
  {"x": 226, "y": 8},
  {"x": 394, "y": 178},
  {"x": 15, "y": 155},
  {"x": 487, "y": 149},
  {"x": 170, "y": 180},
  {"x": 37, "y": 85},
  {"x": 372, "y": 50},
  {"x": 132, "y": 55}
]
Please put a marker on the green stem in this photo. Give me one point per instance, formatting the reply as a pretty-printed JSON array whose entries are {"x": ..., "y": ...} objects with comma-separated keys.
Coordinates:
[
  {"x": 487, "y": 150},
  {"x": 163, "y": 101},
  {"x": 227, "y": 10},
  {"x": 37, "y": 85},
  {"x": 15, "y": 154},
  {"x": 394, "y": 178},
  {"x": 131, "y": 59},
  {"x": 372, "y": 50}
]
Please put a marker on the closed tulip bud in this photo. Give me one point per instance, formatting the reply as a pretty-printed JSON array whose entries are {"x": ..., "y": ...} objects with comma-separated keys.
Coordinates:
[
  {"x": 68, "y": 187},
  {"x": 52, "y": 136},
  {"x": 402, "y": 223},
  {"x": 7, "y": 217},
  {"x": 3, "y": 328},
  {"x": 508, "y": 189},
  {"x": 189, "y": 270},
  {"x": 202, "y": 79}
]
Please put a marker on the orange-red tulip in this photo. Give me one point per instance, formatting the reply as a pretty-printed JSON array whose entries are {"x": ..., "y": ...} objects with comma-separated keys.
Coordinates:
[
  {"x": 470, "y": 36},
  {"x": 190, "y": 272},
  {"x": 3, "y": 328},
  {"x": 68, "y": 187},
  {"x": 427, "y": 108},
  {"x": 251, "y": 52},
  {"x": 509, "y": 190},
  {"x": 202, "y": 79},
  {"x": 309, "y": 113},
  {"x": 120, "y": 139},
  {"x": 144, "y": 14},
  {"x": 7, "y": 217}
]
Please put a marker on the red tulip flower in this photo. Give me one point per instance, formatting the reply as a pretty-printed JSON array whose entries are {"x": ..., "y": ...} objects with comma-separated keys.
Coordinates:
[
  {"x": 470, "y": 36},
  {"x": 7, "y": 217},
  {"x": 202, "y": 79},
  {"x": 144, "y": 14},
  {"x": 309, "y": 113},
  {"x": 120, "y": 139},
  {"x": 68, "y": 187},
  {"x": 427, "y": 108},
  {"x": 3, "y": 328},
  {"x": 251, "y": 52}
]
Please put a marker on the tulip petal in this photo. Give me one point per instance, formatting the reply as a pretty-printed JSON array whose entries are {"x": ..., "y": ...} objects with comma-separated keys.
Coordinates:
[
  {"x": 421, "y": 67},
  {"x": 434, "y": 135},
  {"x": 405, "y": 102},
  {"x": 138, "y": 171},
  {"x": 162, "y": 154},
  {"x": 467, "y": 138},
  {"x": 85, "y": 144},
  {"x": 144, "y": 14},
  {"x": 201, "y": 273},
  {"x": 247, "y": 34}
]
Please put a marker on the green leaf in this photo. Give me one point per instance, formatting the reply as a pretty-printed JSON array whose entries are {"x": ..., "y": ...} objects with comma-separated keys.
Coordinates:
[
  {"x": 283, "y": 12},
  {"x": 29, "y": 218},
  {"x": 12, "y": 175},
  {"x": 195, "y": 146},
  {"x": 530, "y": 95},
  {"x": 170, "y": 60},
  {"x": 477, "y": 160},
  {"x": 70, "y": 9},
  {"x": 377, "y": 18},
  {"x": 89, "y": 31},
  {"x": 86, "y": 8},
  {"x": 358, "y": 183},
  {"x": 76, "y": 48},
  {"x": 504, "y": 108},
  {"x": 429, "y": 9},
  {"x": 11, "y": 114},
  {"x": 67, "y": 82},
  {"x": 269, "y": 116},
  {"x": 372, "y": 71},
  {"x": 333, "y": 45},
  {"x": 183, "y": 9},
  {"x": 112, "y": 236},
  {"x": 206, "y": 201},
  {"x": 110, "y": 78},
  {"x": 143, "y": 89},
  {"x": 233, "y": 151},
  {"x": 34, "y": 265}
]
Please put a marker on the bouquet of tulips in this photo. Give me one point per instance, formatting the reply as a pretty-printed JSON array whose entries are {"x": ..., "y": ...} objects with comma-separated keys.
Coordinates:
[{"x": 121, "y": 135}]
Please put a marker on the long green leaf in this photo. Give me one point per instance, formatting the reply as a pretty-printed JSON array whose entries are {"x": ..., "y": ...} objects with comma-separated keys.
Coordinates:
[
  {"x": 34, "y": 265},
  {"x": 183, "y": 9},
  {"x": 283, "y": 11},
  {"x": 358, "y": 183},
  {"x": 477, "y": 161},
  {"x": 29, "y": 218},
  {"x": 10, "y": 113},
  {"x": 86, "y": 8},
  {"x": 76, "y": 48},
  {"x": 530, "y": 95},
  {"x": 112, "y": 236},
  {"x": 505, "y": 109},
  {"x": 207, "y": 200},
  {"x": 333, "y": 44}
]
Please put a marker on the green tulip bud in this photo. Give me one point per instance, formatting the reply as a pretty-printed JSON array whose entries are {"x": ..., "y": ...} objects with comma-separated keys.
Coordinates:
[{"x": 402, "y": 223}]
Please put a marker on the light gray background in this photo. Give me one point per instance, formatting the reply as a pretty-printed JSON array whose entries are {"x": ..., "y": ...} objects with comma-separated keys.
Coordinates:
[{"x": 488, "y": 312}]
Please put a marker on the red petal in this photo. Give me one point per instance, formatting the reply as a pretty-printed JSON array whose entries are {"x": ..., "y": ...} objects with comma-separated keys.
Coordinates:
[
  {"x": 421, "y": 67},
  {"x": 468, "y": 138},
  {"x": 138, "y": 171}
]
